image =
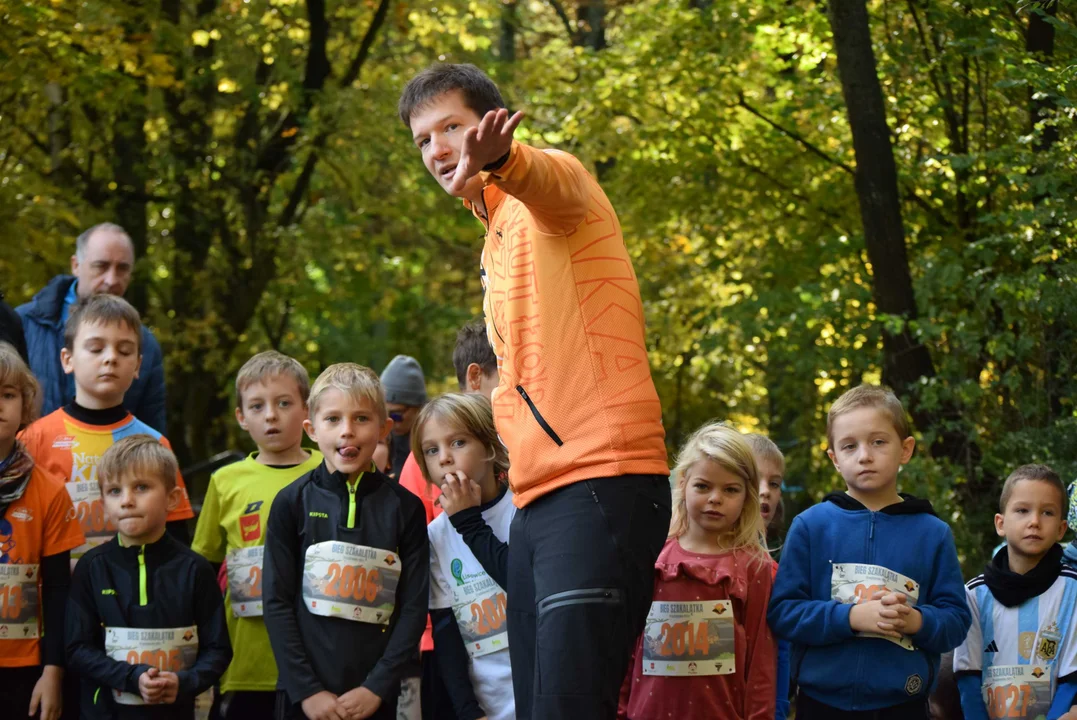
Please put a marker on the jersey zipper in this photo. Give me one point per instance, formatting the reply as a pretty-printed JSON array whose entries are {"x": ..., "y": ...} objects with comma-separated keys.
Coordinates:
[
  {"x": 352, "y": 487},
  {"x": 143, "y": 598},
  {"x": 538, "y": 416}
]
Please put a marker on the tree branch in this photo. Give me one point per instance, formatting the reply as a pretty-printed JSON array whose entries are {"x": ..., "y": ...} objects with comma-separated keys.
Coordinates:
[
  {"x": 364, "y": 47},
  {"x": 560, "y": 10},
  {"x": 793, "y": 135}
]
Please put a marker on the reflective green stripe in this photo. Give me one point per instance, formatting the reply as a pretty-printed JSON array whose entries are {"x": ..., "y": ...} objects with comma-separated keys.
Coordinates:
[
  {"x": 96, "y": 693},
  {"x": 142, "y": 594}
]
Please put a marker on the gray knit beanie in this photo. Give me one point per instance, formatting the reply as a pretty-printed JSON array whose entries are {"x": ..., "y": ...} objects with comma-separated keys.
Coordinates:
[{"x": 403, "y": 381}]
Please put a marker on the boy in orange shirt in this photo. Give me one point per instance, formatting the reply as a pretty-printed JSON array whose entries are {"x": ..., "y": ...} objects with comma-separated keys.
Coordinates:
[
  {"x": 102, "y": 348},
  {"x": 575, "y": 404},
  {"x": 37, "y": 533}
]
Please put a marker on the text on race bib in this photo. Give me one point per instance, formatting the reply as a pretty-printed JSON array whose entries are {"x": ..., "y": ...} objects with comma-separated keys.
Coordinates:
[
  {"x": 853, "y": 583},
  {"x": 1017, "y": 691},
  {"x": 479, "y": 608},
  {"x": 244, "y": 567},
  {"x": 18, "y": 602},
  {"x": 352, "y": 582},
  {"x": 171, "y": 649},
  {"x": 689, "y": 638},
  {"x": 90, "y": 513}
]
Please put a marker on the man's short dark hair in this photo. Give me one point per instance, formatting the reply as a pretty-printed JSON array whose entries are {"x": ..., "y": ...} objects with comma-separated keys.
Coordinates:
[
  {"x": 479, "y": 91},
  {"x": 473, "y": 346}
]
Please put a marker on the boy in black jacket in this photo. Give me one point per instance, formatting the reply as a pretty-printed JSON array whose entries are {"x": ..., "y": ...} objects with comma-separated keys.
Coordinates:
[
  {"x": 145, "y": 622},
  {"x": 345, "y": 572}
]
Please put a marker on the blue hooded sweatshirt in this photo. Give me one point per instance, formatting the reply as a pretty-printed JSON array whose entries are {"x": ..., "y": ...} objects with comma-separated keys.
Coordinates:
[{"x": 831, "y": 663}]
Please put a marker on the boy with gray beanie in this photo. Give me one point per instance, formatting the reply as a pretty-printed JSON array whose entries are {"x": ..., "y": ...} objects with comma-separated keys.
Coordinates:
[{"x": 405, "y": 393}]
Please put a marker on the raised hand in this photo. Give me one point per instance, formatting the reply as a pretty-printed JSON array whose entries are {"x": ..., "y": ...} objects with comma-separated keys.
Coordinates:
[
  {"x": 459, "y": 493},
  {"x": 489, "y": 141}
]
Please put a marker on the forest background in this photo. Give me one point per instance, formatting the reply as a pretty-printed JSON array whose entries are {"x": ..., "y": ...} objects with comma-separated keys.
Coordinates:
[{"x": 814, "y": 194}]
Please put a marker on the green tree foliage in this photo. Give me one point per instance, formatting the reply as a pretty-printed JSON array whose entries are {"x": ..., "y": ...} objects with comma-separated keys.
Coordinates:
[{"x": 252, "y": 149}]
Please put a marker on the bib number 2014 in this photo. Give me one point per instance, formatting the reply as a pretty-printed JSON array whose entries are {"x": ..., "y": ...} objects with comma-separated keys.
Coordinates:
[{"x": 685, "y": 640}]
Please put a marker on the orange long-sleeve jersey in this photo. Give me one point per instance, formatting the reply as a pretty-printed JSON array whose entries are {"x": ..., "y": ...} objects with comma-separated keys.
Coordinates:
[{"x": 565, "y": 318}]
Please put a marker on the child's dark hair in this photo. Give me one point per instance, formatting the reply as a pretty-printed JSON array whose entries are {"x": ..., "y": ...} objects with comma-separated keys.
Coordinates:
[
  {"x": 473, "y": 346},
  {"x": 479, "y": 91},
  {"x": 1042, "y": 473},
  {"x": 102, "y": 309}
]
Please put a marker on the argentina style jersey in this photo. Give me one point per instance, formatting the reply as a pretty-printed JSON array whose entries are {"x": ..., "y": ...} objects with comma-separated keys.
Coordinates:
[{"x": 1018, "y": 653}]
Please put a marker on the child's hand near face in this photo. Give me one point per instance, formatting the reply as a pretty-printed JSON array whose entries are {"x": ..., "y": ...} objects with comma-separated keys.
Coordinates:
[{"x": 459, "y": 493}]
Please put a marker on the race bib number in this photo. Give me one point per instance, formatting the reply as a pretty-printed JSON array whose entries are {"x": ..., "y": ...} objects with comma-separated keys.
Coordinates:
[
  {"x": 18, "y": 602},
  {"x": 353, "y": 582},
  {"x": 171, "y": 649},
  {"x": 90, "y": 513},
  {"x": 479, "y": 608},
  {"x": 245, "y": 581},
  {"x": 853, "y": 583},
  {"x": 689, "y": 638},
  {"x": 1017, "y": 691}
]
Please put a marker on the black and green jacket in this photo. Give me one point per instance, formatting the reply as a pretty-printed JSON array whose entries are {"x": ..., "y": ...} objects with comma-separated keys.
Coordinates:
[
  {"x": 315, "y": 652},
  {"x": 160, "y": 585}
]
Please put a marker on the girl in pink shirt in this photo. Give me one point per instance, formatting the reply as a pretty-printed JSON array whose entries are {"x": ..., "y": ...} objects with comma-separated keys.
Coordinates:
[{"x": 706, "y": 650}]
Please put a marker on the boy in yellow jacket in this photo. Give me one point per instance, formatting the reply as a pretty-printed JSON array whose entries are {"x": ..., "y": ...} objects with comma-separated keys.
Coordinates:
[{"x": 575, "y": 404}]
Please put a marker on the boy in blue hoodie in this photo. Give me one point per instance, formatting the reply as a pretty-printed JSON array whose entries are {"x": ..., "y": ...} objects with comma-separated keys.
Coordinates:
[{"x": 869, "y": 590}]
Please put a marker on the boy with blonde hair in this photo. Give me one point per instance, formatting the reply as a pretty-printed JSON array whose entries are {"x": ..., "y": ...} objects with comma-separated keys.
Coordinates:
[
  {"x": 103, "y": 350},
  {"x": 869, "y": 589},
  {"x": 346, "y": 564},
  {"x": 1020, "y": 656},
  {"x": 145, "y": 623},
  {"x": 271, "y": 405}
]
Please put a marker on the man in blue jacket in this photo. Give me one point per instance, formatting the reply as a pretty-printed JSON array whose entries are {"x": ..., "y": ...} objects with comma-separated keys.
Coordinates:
[{"x": 103, "y": 260}]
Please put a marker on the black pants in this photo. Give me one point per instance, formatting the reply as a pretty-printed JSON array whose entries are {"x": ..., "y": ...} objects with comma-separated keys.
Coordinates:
[
  {"x": 580, "y": 583},
  {"x": 244, "y": 705},
  {"x": 809, "y": 709},
  {"x": 436, "y": 703},
  {"x": 16, "y": 689}
]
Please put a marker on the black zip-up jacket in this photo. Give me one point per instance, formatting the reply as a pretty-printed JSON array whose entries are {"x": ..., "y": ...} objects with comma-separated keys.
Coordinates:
[
  {"x": 314, "y": 652},
  {"x": 160, "y": 585}
]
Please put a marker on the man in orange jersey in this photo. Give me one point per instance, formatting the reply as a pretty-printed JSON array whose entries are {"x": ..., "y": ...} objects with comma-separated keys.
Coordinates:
[{"x": 575, "y": 403}]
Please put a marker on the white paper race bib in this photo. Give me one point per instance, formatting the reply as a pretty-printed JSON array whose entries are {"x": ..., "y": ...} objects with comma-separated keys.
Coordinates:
[
  {"x": 689, "y": 638},
  {"x": 90, "y": 512},
  {"x": 479, "y": 608},
  {"x": 853, "y": 583},
  {"x": 18, "y": 602},
  {"x": 353, "y": 582},
  {"x": 171, "y": 649},
  {"x": 1017, "y": 691},
  {"x": 245, "y": 581}
]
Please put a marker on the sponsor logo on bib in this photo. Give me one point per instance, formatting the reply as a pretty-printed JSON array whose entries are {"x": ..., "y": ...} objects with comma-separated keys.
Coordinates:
[{"x": 457, "y": 570}]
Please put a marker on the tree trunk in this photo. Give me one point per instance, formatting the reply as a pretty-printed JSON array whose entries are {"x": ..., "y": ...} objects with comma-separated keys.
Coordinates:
[
  {"x": 905, "y": 360},
  {"x": 1040, "y": 42}
]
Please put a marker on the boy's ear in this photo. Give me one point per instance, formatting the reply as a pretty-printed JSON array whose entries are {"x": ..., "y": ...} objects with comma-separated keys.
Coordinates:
[
  {"x": 241, "y": 419},
  {"x": 474, "y": 377},
  {"x": 66, "y": 361},
  {"x": 175, "y": 495},
  {"x": 385, "y": 428},
  {"x": 830, "y": 454},
  {"x": 907, "y": 446},
  {"x": 999, "y": 530},
  {"x": 1062, "y": 530},
  {"x": 308, "y": 426},
  {"x": 138, "y": 369}
]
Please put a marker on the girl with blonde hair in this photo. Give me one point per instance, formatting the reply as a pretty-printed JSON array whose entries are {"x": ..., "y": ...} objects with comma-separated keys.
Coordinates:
[{"x": 706, "y": 650}]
